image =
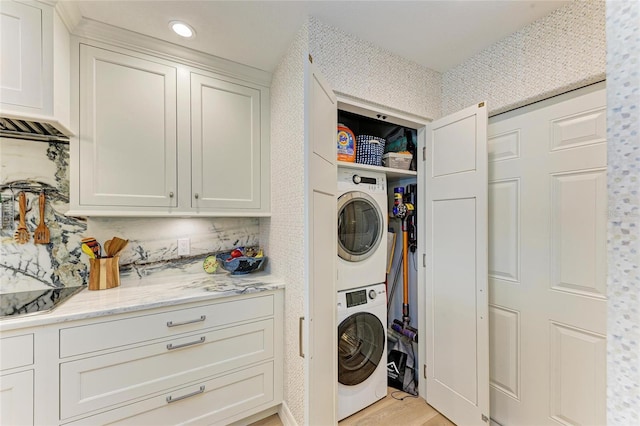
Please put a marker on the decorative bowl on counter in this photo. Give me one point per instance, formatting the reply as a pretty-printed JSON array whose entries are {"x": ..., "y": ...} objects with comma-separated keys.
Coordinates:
[{"x": 240, "y": 265}]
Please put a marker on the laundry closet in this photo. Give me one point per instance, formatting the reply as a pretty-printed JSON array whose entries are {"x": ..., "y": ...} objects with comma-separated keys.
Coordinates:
[
  {"x": 449, "y": 264},
  {"x": 365, "y": 256}
]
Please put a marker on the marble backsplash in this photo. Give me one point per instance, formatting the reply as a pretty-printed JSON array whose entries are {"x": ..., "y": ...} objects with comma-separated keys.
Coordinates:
[
  {"x": 39, "y": 166},
  {"x": 153, "y": 242},
  {"x": 152, "y": 245}
]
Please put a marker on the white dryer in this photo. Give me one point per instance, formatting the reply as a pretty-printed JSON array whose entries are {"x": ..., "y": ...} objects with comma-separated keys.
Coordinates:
[
  {"x": 362, "y": 228},
  {"x": 362, "y": 348}
]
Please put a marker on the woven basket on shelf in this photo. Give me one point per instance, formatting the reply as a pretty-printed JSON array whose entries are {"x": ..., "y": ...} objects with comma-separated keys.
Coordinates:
[{"x": 369, "y": 150}]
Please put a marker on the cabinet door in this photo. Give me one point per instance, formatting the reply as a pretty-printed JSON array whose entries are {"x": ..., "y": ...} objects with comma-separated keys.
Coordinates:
[
  {"x": 227, "y": 166},
  {"x": 25, "y": 55},
  {"x": 321, "y": 120},
  {"x": 16, "y": 399},
  {"x": 127, "y": 130},
  {"x": 457, "y": 322}
]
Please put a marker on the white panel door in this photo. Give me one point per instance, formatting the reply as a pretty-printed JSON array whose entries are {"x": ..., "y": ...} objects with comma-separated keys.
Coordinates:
[
  {"x": 547, "y": 261},
  {"x": 225, "y": 144},
  {"x": 455, "y": 188},
  {"x": 321, "y": 213},
  {"x": 127, "y": 130}
]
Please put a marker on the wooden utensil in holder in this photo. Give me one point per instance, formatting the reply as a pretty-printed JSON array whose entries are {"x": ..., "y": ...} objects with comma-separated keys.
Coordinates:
[{"x": 104, "y": 273}]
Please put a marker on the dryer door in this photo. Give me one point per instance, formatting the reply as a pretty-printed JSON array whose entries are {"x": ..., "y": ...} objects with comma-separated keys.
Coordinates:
[
  {"x": 361, "y": 341},
  {"x": 360, "y": 226}
]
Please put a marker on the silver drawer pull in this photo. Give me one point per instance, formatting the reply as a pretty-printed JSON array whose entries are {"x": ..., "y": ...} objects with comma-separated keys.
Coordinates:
[
  {"x": 170, "y": 346},
  {"x": 171, "y": 399},
  {"x": 175, "y": 324}
]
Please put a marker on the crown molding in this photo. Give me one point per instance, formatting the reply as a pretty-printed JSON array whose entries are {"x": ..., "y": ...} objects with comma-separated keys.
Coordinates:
[
  {"x": 94, "y": 30},
  {"x": 70, "y": 14}
]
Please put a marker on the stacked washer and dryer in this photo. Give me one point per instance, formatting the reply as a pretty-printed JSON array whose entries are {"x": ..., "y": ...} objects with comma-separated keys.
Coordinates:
[{"x": 362, "y": 301}]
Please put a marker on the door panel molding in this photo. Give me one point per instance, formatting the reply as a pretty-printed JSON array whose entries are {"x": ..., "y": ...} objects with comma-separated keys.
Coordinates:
[{"x": 454, "y": 186}]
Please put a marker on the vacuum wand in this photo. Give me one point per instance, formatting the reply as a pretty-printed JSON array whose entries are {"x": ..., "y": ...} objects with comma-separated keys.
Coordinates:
[
  {"x": 406, "y": 319},
  {"x": 403, "y": 211}
]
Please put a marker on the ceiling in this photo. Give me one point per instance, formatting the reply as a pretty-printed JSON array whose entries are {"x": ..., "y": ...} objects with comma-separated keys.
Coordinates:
[{"x": 436, "y": 34}]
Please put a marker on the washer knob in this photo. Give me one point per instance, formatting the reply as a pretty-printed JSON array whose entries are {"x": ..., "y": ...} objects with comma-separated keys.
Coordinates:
[
  {"x": 357, "y": 179},
  {"x": 372, "y": 294}
]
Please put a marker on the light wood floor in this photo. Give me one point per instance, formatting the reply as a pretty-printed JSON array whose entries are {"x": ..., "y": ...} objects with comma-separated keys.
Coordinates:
[{"x": 388, "y": 411}]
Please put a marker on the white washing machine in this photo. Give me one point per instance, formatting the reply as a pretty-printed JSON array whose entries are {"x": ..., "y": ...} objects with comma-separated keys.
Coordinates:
[
  {"x": 362, "y": 228},
  {"x": 362, "y": 348}
]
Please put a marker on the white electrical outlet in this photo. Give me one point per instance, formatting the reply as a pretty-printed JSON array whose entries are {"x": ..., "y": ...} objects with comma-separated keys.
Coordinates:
[{"x": 184, "y": 248}]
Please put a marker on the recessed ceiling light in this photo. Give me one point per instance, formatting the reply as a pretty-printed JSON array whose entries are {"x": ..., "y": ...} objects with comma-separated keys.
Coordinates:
[{"x": 182, "y": 29}]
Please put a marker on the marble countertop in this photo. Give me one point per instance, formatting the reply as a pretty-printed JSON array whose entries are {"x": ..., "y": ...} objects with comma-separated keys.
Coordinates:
[{"x": 136, "y": 294}]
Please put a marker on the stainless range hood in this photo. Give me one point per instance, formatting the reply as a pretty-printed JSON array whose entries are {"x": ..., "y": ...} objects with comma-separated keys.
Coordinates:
[{"x": 33, "y": 130}]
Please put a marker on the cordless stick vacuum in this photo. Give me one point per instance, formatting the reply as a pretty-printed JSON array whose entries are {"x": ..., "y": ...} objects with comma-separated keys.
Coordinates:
[{"x": 403, "y": 211}]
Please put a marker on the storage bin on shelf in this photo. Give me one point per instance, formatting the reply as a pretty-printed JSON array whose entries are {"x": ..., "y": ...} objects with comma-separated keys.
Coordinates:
[
  {"x": 397, "y": 160},
  {"x": 369, "y": 149}
]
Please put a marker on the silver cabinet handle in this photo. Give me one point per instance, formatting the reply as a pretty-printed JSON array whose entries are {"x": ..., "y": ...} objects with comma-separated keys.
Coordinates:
[
  {"x": 175, "y": 324},
  {"x": 196, "y": 195},
  {"x": 171, "y": 195},
  {"x": 170, "y": 346},
  {"x": 171, "y": 399},
  {"x": 300, "y": 349}
]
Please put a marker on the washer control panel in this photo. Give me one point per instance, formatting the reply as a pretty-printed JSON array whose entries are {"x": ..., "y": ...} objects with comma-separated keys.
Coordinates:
[
  {"x": 362, "y": 179},
  {"x": 362, "y": 296}
]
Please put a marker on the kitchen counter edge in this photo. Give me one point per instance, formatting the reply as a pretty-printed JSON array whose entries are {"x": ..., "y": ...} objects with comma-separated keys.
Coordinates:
[{"x": 147, "y": 293}]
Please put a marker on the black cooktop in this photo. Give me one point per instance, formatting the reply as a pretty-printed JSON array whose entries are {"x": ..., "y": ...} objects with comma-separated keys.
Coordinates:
[{"x": 34, "y": 301}]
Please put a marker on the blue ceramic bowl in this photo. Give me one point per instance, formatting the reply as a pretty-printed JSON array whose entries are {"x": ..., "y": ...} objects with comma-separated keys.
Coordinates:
[{"x": 240, "y": 265}]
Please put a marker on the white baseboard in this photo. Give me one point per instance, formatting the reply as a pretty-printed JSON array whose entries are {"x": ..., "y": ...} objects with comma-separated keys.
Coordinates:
[
  {"x": 286, "y": 417},
  {"x": 256, "y": 417}
]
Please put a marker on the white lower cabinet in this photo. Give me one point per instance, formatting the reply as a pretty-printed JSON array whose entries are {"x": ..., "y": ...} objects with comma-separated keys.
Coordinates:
[
  {"x": 97, "y": 382},
  {"x": 211, "y": 362},
  {"x": 16, "y": 351},
  {"x": 220, "y": 400},
  {"x": 16, "y": 398},
  {"x": 16, "y": 380},
  {"x": 205, "y": 363}
]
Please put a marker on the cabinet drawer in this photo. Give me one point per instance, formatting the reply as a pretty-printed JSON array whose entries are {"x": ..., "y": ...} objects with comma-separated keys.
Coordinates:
[
  {"x": 210, "y": 402},
  {"x": 96, "y": 382},
  {"x": 112, "y": 334},
  {"x": 16, "y": 351}
]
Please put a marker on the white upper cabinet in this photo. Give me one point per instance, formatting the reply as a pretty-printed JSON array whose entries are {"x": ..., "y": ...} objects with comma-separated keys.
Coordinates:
[
  {"x": 34, "y": 64},
  {"x": 226, "y": 166},
  {"x": 21, "y": 79},
  {"x": 127, "y": 130},
  {"x": 161, "y": 138}
]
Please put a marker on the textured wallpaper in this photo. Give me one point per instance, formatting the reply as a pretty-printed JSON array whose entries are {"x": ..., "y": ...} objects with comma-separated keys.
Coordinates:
[
  {"x": 623, "y": 286},
  {"x": 284, "y": 231},
  {"x": 361, "y": 70},
  {"x": 558, "y": 53}
]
